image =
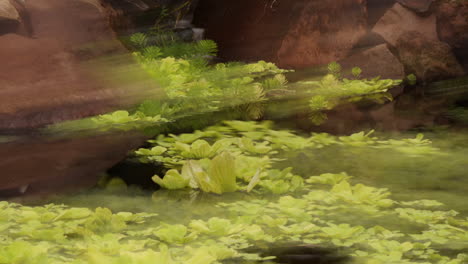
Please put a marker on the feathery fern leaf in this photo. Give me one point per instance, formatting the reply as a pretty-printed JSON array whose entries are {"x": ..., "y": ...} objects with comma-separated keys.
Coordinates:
[{"x": 139, "y": 40}]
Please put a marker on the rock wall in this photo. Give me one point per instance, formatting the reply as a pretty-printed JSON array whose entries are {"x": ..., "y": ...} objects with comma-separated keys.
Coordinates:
[
  {"x": 290, "y": 33},
  {"x": 323, "y": 31},
  {"x": 70, "y": 66},
  {"x": 303, "y": 33}
]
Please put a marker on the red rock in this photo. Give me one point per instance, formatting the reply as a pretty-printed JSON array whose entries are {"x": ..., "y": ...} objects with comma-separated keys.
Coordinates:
[
  {"x": 452, "y": 23},
  {"x": 429, "y": 60},
  {"x": 293, "y": 34},
  {"x": 324, "y": 32},
  {"x": 399, "y": 20},
  {"x": 66, "y": 71},
  {"x": 452, "y": 26},
  {"x": 60, "y": 165},
  {"x": 375, "y": 61}
]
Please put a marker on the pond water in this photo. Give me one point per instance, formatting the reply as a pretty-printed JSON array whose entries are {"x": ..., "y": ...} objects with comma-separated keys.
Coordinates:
[
  {"x": 408, "y": 176},
  {"x": 437, "y": 177},
  {"x": 385, "y": 196}
]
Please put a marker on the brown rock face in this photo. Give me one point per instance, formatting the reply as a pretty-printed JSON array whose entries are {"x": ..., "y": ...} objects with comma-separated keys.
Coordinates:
[
  {"x": 324, "y": 32},
  {"x": 399, "y": 20},
  {"x": 452, "y": 23},
  {"x": 376, "y": 61},
  {"x": 73, "y": 67},
  {"x": 429, "y": 60},
  {"x": 293, "y": 34},
  {"x": 62, "y": 164},
  {"x": 452, "y": 26}
]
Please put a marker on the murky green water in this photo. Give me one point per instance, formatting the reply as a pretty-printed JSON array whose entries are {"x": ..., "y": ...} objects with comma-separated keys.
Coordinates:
[
  {"x": 370, "y": 197},
  {"x": 354, "y": 226},
  {"x": 441, "y": 177}
]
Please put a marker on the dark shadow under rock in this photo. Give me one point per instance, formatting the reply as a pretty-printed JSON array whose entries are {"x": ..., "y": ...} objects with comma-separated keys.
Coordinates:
[
  {"x": 376, "y": 9},
  {"x": 136, "y": 173},
  {"x": 371, "y": 39},
  {"x": 418, "y": 6}
]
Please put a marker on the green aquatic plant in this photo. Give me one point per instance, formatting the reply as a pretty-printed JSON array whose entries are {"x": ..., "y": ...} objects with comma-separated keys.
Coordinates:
[
  {"x": 24, "y": 252},
  {"x": 183, "y": 72},
  {"x": 228, "y": 173},
  {"x": 412, "y": 79},
  {"x": 174, "y": 234},
  {"x": 281, "y": 181},
  {"x": 191, "y": 86},
  {"x": 356, "y": 71},
  {"x": 251, "y": 142},
  {"x": 358, "y": 139},
  {"x": 318, "y": 216},
  {"x": 333, "y": 90},
  {"x": 139, "y": 40},
  {"x": 122, "y": 117},
  {"x": 256, "y": 148},
  {"x": 172, "y": 180},
  {"x": 216, "y": 175},
  {"x": 201, "y": 149},
  {"x": 334, "y": 68},
  {"x": 361, "y": 194},
  {"x": 123, "y": 120},
  {"x": 187, "y": 50},
  {"x": 328, "y": 178},
  {"x": 279, "y": 81},
  {"x": 320, "y": 102},
  {"x": 152, "y": 52},
  {"x": 200, "y": 88}
]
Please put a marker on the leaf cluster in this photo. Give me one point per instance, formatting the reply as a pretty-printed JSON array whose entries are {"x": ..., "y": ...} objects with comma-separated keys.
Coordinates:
[{"x": 333, "y": 90}]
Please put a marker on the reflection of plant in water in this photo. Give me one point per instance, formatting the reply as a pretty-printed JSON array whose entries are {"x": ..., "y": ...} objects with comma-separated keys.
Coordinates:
[{"x": 332, "y": 90}]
